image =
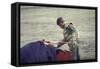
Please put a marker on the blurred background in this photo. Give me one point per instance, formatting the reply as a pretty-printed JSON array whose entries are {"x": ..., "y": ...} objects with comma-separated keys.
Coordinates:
[{"x": 39, "y": 23}]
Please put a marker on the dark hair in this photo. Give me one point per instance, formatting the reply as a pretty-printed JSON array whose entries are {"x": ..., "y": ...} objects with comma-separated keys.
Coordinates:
[{"x": 59, "y": 19}]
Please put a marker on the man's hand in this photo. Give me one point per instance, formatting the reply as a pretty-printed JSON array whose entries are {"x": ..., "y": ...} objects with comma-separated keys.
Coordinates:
[
  {"x": 47, "y": 42},
  {"x": 60, "y": 43}
]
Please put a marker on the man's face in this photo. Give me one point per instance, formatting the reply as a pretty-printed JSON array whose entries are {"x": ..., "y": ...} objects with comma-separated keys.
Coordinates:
[{"x": 61, "y": 24}]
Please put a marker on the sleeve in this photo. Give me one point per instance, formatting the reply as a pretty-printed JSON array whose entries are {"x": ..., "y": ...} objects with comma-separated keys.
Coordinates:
[
  {"x": 68, "y": 32},
  {"x": 67, "y": 36}
]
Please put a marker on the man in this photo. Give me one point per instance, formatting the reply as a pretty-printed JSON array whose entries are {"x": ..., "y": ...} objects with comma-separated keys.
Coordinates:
[{"x": 70, "y": 37}]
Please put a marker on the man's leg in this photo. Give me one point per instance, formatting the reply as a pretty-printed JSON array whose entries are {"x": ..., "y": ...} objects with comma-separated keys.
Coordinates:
[{"x": 76, "y": 53}]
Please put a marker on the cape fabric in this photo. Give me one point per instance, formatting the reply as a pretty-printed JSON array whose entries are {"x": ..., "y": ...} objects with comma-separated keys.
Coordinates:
[{"x": 37, "y": 52}]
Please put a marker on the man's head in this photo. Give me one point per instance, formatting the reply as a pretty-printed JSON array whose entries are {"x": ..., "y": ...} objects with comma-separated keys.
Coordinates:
[{"x": 60, "y": 22}]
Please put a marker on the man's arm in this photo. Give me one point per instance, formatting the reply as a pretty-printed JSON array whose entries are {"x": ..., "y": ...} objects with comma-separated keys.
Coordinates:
[{"x": 62, "y": 42}]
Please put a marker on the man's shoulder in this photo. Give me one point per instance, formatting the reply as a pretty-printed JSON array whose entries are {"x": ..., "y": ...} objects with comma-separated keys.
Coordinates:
[
  {"x": 66, "y": 24},
  {"x": 70, "y": 27}
]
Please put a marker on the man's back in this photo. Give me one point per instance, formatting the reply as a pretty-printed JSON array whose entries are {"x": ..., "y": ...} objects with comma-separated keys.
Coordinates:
[{"x": 69, "y": 32}]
